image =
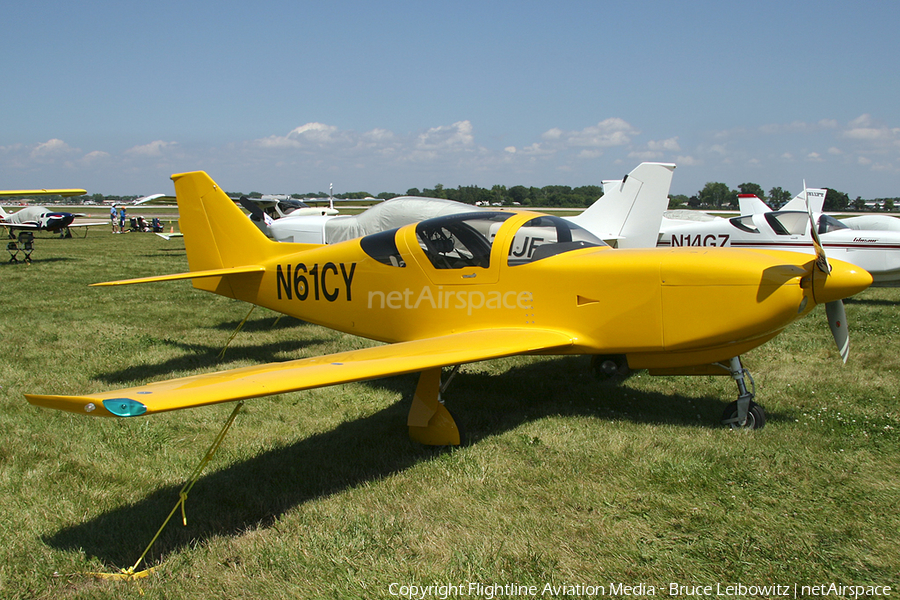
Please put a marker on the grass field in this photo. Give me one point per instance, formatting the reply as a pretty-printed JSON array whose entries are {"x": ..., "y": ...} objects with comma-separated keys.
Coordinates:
[{"x": 321, "y": 494}]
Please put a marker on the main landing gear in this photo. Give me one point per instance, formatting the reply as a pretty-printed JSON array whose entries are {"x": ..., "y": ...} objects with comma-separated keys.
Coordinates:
[
  {"x": 429, "y": 422},
  {"x": 743, "y": 413},
  {"x": 610, "y": 366}
]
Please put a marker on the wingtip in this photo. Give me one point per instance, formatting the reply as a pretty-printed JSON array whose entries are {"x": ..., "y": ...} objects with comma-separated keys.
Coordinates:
[{"x": 74, "y": 404}]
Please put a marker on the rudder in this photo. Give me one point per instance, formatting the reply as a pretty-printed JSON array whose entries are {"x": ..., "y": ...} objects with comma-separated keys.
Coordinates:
[
  {"x": 217, "y": 234},
  {"x": 630, "y": 211}
]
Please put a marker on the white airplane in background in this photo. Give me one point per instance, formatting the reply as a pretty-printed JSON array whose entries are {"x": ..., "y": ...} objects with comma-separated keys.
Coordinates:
[
  {"x": 877, "y": 251},
  {"x": 876, "y": 222},
  {"x": 618, "y": 218},
  {"x": 752, "y": 205},
  {"x": 39, "y": 218},
  {"x": 268, "y": 209}
]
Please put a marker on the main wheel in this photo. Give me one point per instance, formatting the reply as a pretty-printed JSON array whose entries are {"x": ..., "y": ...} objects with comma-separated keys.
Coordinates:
[
  {"x": 756, "y": 416},
  {"x": 606, "y": 367}
]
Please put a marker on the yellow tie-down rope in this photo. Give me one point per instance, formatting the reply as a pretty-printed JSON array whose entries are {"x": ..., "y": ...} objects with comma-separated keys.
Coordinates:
[{"x": 130, "y": 574}]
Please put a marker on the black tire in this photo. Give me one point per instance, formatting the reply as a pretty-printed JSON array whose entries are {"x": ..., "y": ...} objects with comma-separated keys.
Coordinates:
[
  {"x": 756, "y": 416},
  {"x": 610, "y": 367}
]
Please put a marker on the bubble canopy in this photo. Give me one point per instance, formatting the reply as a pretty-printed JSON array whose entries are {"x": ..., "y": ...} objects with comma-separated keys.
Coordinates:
[{"x": 466, "y": 240}]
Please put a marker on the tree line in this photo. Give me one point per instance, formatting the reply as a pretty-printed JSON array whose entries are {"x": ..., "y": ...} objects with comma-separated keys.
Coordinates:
[{"x": 714, "y": 195}]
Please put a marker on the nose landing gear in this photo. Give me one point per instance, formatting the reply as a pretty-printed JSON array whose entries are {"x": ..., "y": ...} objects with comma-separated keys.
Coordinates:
[{"x": 743, "y": 413}]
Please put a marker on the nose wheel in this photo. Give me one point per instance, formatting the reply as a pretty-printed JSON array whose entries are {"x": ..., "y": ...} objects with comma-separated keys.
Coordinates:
[{"x": 743, "y": 413}]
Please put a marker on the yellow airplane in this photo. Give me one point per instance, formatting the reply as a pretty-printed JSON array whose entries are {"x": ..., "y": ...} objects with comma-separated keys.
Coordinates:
[{"x": 472, "y": 287}]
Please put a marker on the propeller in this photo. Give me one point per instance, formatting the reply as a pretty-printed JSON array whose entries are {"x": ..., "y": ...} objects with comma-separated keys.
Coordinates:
[{"x": 837, "y": 316}]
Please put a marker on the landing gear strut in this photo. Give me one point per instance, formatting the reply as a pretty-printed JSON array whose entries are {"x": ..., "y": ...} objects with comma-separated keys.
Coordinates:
[
  {"x": 429, "y": 422},
  {"x": 743, "y": 413}
]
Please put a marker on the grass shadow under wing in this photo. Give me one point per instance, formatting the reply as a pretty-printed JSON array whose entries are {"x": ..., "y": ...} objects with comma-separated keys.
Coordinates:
[{"x": 255, "y": 492}]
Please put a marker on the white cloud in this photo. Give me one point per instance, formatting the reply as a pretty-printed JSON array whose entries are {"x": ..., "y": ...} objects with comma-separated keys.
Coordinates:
[
  {"x": 645, "y": 155},
  {"x": 797, "y": 127},
  {"x": 457, "y": 136},
  {"x": 151, "y": 150},
  {"x": 316, "y": 133},
  {"x": 670, "y": 144},
  {"x": 687, "y": 161},
  {"x": 313, "y": 135},
  {"x": 553, "y": 134},
  {"x": 536, "y": 149},
  {"x": 379, "y": 135},
  {"x": 93, "y": 157},
  {"x": 656, "y": 149},
  {"x": 605, "y": 134},
  {"x": 51, "y": 148},
  {"x": 865, "y": 129}
]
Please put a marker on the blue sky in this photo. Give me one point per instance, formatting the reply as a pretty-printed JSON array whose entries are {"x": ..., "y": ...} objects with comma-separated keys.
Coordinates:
[{"x": 290, "y": 96}]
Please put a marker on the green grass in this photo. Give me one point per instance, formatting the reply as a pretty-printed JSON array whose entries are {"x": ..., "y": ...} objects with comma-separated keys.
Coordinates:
[{"x": 322, "y": 495}]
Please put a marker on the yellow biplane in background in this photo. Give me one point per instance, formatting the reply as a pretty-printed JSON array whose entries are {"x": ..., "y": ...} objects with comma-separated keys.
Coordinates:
[{"x": 476, "y": 286}]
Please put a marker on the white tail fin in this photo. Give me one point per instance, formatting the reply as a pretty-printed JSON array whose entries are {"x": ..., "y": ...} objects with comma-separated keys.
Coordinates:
[
  {"x": 816, "y": 198},
  {"x": 750, "y": 204},
  {"x": 630, "y": 211}
]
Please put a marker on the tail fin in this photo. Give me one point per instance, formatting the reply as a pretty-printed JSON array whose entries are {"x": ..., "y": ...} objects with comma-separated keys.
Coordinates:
[
  {"x": 226, "y": 253},
  {"x": 750, "y": 204},
  {"x": 816, "y": 198},
  {"x": 630, "y": 211},
  {"x": 217, "y": 234}
]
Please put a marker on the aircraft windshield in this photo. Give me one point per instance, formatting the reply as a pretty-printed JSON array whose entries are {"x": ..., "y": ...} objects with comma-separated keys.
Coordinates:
[
  {"x": 382, "y": 247},
  {"x": 289, "y": 206},
  {"x": 459, "y": 241},
  {"x": 827, "y": 224},
  {"x": 745, "y": 224},
  {"x": 548, "y": 236},
  {"x": 788, "y": 222}
]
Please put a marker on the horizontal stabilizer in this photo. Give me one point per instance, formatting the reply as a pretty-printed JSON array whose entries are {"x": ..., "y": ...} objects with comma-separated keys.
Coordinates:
[
  {"x": 189, "y": 275},
  {"x": 308, "y": 373}
]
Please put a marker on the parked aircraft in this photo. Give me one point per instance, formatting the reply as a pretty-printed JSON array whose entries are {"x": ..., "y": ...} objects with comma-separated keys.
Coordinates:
[
  {"x": 873, "y": 222},
  {"x": 876, "y": 250},
  {"x": 40, "y": 218},
  {"x": 753, "y": 205},
  {"x": 480, "y": 285},
  {"x": 613, "y": 218},
  {"x": 265, "y": 211}
]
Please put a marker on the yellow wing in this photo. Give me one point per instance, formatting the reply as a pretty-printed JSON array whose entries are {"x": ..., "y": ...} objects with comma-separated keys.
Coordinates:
[
  {"x": 64, "y": 192},
  {"x": 307, "y": 373}
]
